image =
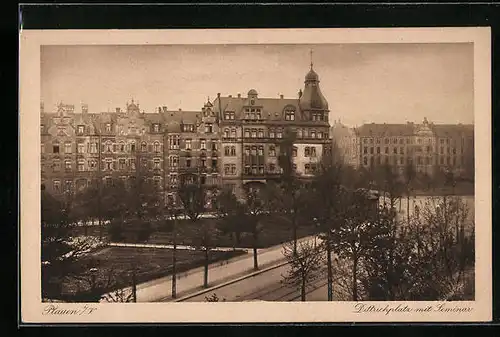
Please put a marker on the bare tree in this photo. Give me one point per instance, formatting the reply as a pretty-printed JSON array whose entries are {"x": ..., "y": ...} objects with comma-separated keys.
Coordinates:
[
  {"x": 229, "y": 212},
  {"x": 305, "y": 263},
  {"x": 255, "y": 206},
  {"x": 325, "y": 202}
]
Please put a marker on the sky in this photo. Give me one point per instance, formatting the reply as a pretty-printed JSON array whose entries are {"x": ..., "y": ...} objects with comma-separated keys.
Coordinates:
[{"x": 363, "y": 83}]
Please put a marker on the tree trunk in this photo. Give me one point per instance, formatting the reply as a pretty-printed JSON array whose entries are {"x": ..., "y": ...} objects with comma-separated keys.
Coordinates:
[
  {"x": 255, "y": 262},
  {"x": 303, "y": 290},
  {"x": 329, "y": 268},
  {"x": 355, "y": 279},
  {"x": 205, "y": 273},
  {"x": 174, "y": 261},
  {"x": 134, "y": 286},
  {"x": 408, "y": 207},
  {"x": 294, "y": 229}
]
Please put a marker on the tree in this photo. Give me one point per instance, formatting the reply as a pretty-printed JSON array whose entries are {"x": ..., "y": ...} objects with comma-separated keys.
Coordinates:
[
  {"x": 290, "y": 194},
  {"x": 255, "y": 207},
  {"x": 356, "y": 232},
  {"x": 229, "y": 211},
  {"x": 305, "y": 262},
  {"x": 59, "y": 255},
  {"x": 193, "y": 199},
  {"x": 325, "y": 202},
  {"x": 409, "y": 175}
]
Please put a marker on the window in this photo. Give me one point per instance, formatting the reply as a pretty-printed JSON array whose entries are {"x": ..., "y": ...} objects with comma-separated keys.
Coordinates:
[
  {"x": 365, "y": 150},
  {"x": 299, "y": 133},
  {"x": 81, "y": 165},
  {"x": 93, "y": 147},
  {"x": 386, "y": 150},
  {"x": 203, "y": 144},
  {"x": 173, "y": 142},
  {"x": 80, "y": 129},
  {"x": 187, "y": 145},
  {"x": 371, "y": 150},
  {"x": 108, "y": 127},
  {"x": 233, "y": 133},
  {"x": 261, "y": 150},
  {"x": 172, "y": 179},
  {"x": 188, "y": 162},
  {"x": 173, "y": 161},
  {"x": 441, "y": 149},
  {"x": 108, "y": 181},
  {"x": 254, "y": 150},
  {"x": 156, "y": 127},
  {"x": 386, "y": 141},
  {"x": 229, "y": 115},
  {"x": 156, "y": 147},
  {"x": 108, "y": 146},
  {"x": 109, "y": 164},
  {"x": 144, "y": 162},
  {"x": 279, "y": 133},
  {"x": 92, "y": 164},
  {"x": 188, "y": 128},
  {"x": 226, "y": 133},
  {"x": 254, "y": 133},
  {"x": 441, "y": 160},
  {"x": 67, "y": 147},
  {"x": 233, "y": 150},
  {"x": 441, "y": 141},
  {"x": 247, "y": 133},
  {"x": 319, "y": 135},
  {"x": 56, "y": 186},
  {"x": 247, "y": 150},
  {"x": 419, "y": 160},
  {"x": 378, "y": 149},
  {"x": 365, "y": 160},
  {"x": 289, "y": 115},
  {"x": 271, "y": 133},
  {"x": 261, "y": 133},
  {"x": 157, "y": 163},
  {"x": 67, "y": 165},
  {"x": 227, "y": 150},
  {"x": 395, "y": 150},
  {"x": 313, "y": 133},
  {"x": 313, "y": 151},
  {"x": 272, "y": 151},
  {"x": 454, "y": 151},
  {"x": 307, "y": 168},
  {"x": 132, "y": 164},
  {"x": 401, "y": 150},
  {"x": 402, "y": 160},
  {"x": 80, "y": 148},
  {"x": 208, "y": 128},
  {"x": 203, "y": 162},
  {"x": 294, "y": 151},
  {"x": 42, "y": 148}
]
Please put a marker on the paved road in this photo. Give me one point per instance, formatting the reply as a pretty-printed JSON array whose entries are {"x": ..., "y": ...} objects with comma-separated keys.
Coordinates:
[
  {"x": 268, "y": 286},
  {"x": 192, "y": 281}
]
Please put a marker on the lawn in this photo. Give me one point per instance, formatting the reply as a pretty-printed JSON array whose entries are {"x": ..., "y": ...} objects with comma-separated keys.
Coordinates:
[
  {"x": 275, "y": 230},
  {"x": 150, "y": 263}
]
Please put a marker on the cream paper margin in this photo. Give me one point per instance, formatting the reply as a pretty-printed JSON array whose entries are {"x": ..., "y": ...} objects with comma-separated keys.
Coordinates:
[{"x": 31, "y": 306}]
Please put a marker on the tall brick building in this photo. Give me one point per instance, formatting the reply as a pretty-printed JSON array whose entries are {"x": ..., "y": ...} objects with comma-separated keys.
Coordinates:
[
  {"x": 231, "y": 141},
  {"x": 252, "y": 126}
]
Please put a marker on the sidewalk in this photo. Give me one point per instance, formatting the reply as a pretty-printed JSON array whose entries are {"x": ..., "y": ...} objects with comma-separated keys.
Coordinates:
[
  {"x": 218, "y": 273},
  {"x": 180, "y": 247}
]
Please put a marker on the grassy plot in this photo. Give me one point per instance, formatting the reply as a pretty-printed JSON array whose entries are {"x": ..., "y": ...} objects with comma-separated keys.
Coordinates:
[{"x": 149, "y": 263}]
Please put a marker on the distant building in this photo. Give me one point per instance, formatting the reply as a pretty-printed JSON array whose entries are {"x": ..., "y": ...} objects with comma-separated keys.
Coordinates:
[
  {"x": 344, "y": 138},
  {"x": 428, "y": 147}
]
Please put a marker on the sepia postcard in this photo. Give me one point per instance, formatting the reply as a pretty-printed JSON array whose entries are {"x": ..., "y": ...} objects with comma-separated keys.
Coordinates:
[{"x": 255, "y": 175}]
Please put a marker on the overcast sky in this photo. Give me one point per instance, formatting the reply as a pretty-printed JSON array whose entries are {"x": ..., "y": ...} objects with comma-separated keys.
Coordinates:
[{"x": 363, "y": 83}]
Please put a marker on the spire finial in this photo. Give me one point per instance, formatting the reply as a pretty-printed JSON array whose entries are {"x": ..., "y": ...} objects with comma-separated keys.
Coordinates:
[{"x": 311, "y": 54}]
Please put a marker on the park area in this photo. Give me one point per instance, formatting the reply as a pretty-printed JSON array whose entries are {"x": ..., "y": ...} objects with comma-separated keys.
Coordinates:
[
  {"x": 114, "y": 266},
  {"x": 274, "y": 230}
]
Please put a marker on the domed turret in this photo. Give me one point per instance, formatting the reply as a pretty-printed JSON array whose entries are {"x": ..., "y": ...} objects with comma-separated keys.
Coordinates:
[
  {"x": 252, "y": 92},
  {"x": 312, "y": 98}
]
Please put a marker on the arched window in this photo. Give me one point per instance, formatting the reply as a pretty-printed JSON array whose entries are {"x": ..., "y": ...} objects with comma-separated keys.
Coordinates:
[
  {"x": 233, "y": 133},
  {"x": 144, "y": 147},
  {"x": 122, "y": 147},
  {"x": 156, "y": 146},
  {"x": 299, "y": 133},
  {"x": 226, "y": 133},
  {"x": 108, "y": 146}
]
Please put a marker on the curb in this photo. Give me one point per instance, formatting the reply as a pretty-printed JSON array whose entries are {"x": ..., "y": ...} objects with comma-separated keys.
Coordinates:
[{"x": 236, "y": 280}]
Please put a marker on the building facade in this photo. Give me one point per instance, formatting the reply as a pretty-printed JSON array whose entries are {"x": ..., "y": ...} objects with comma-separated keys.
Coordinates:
[
  {"x": 231, "y": 141},
  {"x": 252, "y": 128},
  {"x": 427, "y": 146}
]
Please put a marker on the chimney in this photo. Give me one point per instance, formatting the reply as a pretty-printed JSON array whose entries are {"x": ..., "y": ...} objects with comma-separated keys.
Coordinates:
[
  {"x": 281, "y": 96},
  {"x": 239, "y": 95},
  {"x": 164, "y": 108},
  {"x": 300, "y": 93},
  {"x": 85, "y": 108},
  {"x": 230, "y": 96},
  {"x": 118, "y": 110},
  {"x": 180, "y": 109}
]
